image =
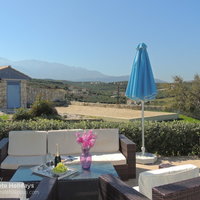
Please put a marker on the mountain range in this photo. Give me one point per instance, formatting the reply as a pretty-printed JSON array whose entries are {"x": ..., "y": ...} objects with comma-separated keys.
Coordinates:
[{"x": 57, "y": 71}]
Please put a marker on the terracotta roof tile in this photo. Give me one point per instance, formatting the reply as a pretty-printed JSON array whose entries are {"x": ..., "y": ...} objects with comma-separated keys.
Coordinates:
[
  {"x": 4, "y": 67},
  {"x": 16, "y": 72}
]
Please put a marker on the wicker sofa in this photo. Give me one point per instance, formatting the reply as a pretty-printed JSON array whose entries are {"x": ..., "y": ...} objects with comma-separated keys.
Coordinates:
[
  {"x": 30, "y": 148},
  {"x": 112, "y": 188}
]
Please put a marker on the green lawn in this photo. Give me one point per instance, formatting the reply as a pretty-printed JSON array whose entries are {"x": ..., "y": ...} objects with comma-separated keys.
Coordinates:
[
  {"x": 4, "y": 117},
  {"x": 189, "y": 119}
]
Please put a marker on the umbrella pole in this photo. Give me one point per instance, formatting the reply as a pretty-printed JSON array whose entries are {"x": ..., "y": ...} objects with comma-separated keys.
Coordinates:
[{"x": 143, "y": 148}]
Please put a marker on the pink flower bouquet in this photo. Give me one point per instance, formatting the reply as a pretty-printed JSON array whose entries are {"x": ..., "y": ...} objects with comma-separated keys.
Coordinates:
[{"x": 86, "y": 139}]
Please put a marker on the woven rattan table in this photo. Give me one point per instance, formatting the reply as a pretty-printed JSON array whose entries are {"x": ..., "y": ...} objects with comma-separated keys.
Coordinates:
[{"x": 82, "y": 186}]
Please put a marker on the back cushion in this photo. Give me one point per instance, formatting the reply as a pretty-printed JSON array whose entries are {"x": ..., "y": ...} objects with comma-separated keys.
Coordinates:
[
  {"x": 27, "y": 143},
  {"x": 107, "y": 140},
  {"x": 149, "y": 179},
  {"x": 66, "y": 139}
]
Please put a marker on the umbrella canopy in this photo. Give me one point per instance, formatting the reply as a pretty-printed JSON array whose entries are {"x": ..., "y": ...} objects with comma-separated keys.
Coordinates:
[{"x": 141, "y": 85}]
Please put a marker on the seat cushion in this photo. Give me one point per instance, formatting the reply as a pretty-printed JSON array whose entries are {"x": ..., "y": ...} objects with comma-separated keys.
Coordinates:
[
  {"x": 107, "y": 141},
  {"x": 116, "y": 158},
  {"x": 27, "y": 143},
  {"x": 12, "y": 190},
  {"x": 149, "y": 179},
  {"x": 13, "y": 162}
]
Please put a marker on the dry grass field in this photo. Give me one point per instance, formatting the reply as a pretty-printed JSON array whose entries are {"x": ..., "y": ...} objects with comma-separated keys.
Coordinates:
[{"x": 117, "y": 114}]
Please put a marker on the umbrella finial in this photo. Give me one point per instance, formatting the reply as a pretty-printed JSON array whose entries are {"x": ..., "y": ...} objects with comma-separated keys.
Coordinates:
[{"x": 142, "y": 46}]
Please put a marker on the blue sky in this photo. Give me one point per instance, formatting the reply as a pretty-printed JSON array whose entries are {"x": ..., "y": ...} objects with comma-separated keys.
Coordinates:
[{"x": 103, "y": 35}]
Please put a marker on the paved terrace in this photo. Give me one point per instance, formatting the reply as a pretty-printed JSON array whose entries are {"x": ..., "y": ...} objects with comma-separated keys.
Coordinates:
[{"x": 117, "y": 114}]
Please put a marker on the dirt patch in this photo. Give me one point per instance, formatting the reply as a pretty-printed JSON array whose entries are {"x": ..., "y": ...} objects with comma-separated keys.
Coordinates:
[{"x": 113, "y": 113}]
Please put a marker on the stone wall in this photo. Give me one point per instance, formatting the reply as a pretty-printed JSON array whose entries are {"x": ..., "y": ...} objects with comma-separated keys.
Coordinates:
[
  {"x": 47, "y": 94},
  {"x": 3, "y": 94}
]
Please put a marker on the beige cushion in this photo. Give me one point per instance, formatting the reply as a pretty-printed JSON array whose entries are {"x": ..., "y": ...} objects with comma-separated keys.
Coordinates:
[
  {"x": 116, "y": 158},
  {"x": 27, "y": 143},
  {"x": 107, "y": 141},
  {"x": 13, "y": 162},
  {"x": 66, "y": 140},
  {"x": 149, "y": 179},
  {"x": 12, "y": 190}
]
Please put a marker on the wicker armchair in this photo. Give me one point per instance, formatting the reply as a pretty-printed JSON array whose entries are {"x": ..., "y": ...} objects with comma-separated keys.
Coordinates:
[
  {"x": 46, "y": 190},
  {"x": 111, "y": 188}
]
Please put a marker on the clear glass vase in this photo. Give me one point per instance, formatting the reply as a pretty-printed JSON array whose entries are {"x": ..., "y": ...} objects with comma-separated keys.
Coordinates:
[{"x": 86, "y": 158}]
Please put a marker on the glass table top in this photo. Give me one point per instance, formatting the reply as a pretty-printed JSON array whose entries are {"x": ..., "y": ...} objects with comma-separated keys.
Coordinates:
[{"x": 97, "y": 169}]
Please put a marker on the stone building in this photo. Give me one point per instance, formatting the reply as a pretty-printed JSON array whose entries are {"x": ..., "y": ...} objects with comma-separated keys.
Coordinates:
[{"x": 13, "y": 89}]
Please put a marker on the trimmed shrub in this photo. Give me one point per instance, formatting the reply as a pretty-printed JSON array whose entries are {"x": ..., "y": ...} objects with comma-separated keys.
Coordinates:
[
  {"x": 164, "y": 138},
  {"x": 43, "y": 108},
  {"x": 21, "y": 114}
]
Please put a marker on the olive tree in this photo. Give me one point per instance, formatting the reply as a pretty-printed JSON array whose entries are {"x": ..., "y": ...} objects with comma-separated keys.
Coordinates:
[{"x": 187, "y": 96}]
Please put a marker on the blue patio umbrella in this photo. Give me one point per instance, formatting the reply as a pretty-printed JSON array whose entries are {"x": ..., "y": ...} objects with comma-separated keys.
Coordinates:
[{"x": 141, "y": 85}]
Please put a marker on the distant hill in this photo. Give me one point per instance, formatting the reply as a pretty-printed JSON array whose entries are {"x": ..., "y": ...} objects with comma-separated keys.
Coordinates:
[{"x": 49, "y": 70}]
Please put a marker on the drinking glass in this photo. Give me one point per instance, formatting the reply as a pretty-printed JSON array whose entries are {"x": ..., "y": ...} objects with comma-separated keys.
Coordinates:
[{"x": 49, "y": 160}]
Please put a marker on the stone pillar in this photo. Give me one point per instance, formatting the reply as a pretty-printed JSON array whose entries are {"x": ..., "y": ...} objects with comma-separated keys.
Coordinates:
[
  {"x": 3, "y": 94},
  {"x": 23, "y": 93}
]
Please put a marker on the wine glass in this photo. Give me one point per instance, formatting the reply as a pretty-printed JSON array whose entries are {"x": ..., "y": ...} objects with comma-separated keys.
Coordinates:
[{"x": 49, "y": 160}]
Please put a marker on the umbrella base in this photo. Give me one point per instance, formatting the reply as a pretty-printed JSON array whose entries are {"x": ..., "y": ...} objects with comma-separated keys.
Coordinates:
[{"x": 147, "y": 158}]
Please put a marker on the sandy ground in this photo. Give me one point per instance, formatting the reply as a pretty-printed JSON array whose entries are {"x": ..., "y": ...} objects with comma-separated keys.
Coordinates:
[
  {"x": 113, "y": 113},
  {"x": 162, "y": 160}
]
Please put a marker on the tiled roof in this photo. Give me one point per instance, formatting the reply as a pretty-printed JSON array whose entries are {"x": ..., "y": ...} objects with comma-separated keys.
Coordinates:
[
  {"x": 7, "y": 72},
  {"x": 4, "y": 67}
]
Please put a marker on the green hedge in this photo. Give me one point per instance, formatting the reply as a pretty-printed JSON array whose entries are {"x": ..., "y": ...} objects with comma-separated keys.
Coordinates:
[{"x": 164, "y": 138}]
